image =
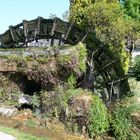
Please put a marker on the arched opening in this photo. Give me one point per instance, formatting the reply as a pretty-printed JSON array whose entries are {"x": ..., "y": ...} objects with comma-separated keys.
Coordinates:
[
  {"x": 31, "y": 87},
  {"x": 25, "y": 106}
]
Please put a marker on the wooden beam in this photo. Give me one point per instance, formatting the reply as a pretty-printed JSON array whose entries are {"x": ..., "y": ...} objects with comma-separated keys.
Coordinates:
[
  {"x": 68, "y": 31},
  {"x": 85, "y": 36},
  {"x": 117, "y": 81},
  {"x": 112, "y": 62}
]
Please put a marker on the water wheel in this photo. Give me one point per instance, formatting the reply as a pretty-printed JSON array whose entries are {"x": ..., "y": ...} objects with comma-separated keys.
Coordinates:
[{"x": 59, "y": 32}]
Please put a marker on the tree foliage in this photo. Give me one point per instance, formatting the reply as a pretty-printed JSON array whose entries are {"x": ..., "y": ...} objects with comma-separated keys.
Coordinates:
[
  {"x": 65, "y": 16},
  {"x": 114, "y": 22},
  {"x": 132, "y": 8},
  {"x": 77, "y": 11},
  {"x": 132, "y": 17},
  {"x": 107, "y": 18},
  {"x": 137, "y": 68}
]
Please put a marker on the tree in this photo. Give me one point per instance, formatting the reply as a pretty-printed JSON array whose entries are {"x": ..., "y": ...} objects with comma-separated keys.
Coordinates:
[
  {"x": 52, "y": 16},
  {"x": 77, "y": 11},
  {"x": 105, "y": 17},
  {"x": 136, "y": 68},
  {"x": 65, "y": 16},
  {"x": 106, "y": 22},
  {"x": 132, "y": 8}
]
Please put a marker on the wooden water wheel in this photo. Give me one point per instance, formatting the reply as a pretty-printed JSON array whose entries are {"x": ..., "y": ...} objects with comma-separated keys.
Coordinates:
[{"x": 102, "y": 58}]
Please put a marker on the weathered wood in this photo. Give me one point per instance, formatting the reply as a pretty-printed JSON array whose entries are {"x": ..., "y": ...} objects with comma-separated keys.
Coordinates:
[
  {"x": 6, "y": 38},
  {"x": 112, "y": 62},
  {"x": 117, "y": 81},
  {"x": 53, "y": 27},
  {"x": 41, "y": 28},
  {"x": 68, "y": 31},
  {"x": 12, "y": 34},
  {"x": 83, "y": 39},
  {"x": 45, "y": 30}
]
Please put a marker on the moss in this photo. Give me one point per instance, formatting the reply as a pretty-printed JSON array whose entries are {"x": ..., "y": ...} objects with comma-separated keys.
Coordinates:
[
  {"x": 8, "y": 94},
  {"x": 72, "y": 81},
  {"x": 69, "y": 93},
  {"x": 85, "y": 109},
  {"x": 75, "y": 59},
  {"x": 64, "y": 67},
  {"x": 52, "y": 103},
  {"x": 61, "y": 69},
  {"x": 136, "y": 68},
  {"x": 65, "y": 60},
  {"x": 122, "y": 55},
  {"x": 42, "y": 60}
]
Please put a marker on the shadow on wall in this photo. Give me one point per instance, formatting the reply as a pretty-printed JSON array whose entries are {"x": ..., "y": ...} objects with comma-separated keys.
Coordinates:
[
  {"x": 26, "y": 86},
  {"x": 31, "y": 87}
]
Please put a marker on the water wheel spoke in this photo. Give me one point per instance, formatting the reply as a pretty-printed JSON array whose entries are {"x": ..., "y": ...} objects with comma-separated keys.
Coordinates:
[{"x": 110, "y": 63}]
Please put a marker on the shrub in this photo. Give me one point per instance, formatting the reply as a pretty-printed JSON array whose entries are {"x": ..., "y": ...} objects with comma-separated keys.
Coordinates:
[
  {"x": 98, "y": 118},
  {"x": 135, "y": 87},
  {"x": 82, "y": 54},
  {"x": 50, "y": 102},
  {"x": 74, "y": 59},
  {"x": 72, "y": 80},
  {"x": 72, "y": 92},
  {"x": 121, "y": 121},
  {"x": 136, "y": 68},
  {"x": 35, "y": 101},
  {"x": 92, "y": 114},
  {"x": 8, "y": 94}
]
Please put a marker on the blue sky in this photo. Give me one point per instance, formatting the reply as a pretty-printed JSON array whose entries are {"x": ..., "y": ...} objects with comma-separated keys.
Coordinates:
[{"x": 13, "y": 12}]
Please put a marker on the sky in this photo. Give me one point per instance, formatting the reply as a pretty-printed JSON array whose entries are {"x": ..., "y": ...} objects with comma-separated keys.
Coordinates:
[{"x": 13, "y": 12}]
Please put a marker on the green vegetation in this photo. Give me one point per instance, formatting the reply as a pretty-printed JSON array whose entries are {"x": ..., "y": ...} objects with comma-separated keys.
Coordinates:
[
  {"x": 121, "y": 122},
  {"x": 98, "y": 118},
  {"x": 8, "y": 95},
  {"x": 93, "y": 111},
  {"x": 72, "y": 81},
  {"x": 75, "y": 60},
  {"x": 105, "y": 17},
  {"x": 132, "y": 8},
  {"x": 82, "y": 54},
  {"x": 31, "y": 123},
  {"x": 136, "y": 68},
  {"x": 35, "y": 101},
  {"x": 19, "y": 135},
  {"x": 58, "y": 91},
  {"x": 102, "y": 62}
]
